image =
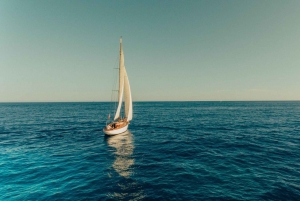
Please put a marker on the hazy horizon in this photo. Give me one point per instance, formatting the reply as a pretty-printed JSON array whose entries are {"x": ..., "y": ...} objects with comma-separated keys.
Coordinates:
[
  {"x": 154, "y": 101},
  {"x": 65, "y": 51}
]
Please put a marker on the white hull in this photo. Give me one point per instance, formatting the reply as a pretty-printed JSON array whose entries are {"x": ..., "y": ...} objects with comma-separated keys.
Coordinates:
[{"x": 115, "y": 131}]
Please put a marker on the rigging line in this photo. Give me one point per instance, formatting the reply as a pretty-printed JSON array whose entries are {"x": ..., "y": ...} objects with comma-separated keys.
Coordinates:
[
  {"x": 114, "y": 95},
  {"x": 113, "y": 87}
]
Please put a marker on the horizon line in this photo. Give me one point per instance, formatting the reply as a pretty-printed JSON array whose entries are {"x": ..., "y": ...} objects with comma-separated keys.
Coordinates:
[{"x": 151, "y": 101}]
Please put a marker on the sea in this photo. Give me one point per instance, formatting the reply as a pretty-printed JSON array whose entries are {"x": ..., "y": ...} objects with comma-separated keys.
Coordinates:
[{"x": 172, "y": 151}]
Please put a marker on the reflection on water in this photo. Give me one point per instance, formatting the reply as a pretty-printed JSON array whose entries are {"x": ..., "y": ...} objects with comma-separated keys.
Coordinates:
[
  {"x": 124, "y": 187},
  {"x": 124, "y": 149}
]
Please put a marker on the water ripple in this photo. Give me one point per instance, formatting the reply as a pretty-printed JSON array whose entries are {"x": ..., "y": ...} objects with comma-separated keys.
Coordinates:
[{"x": 174, "y": 151}]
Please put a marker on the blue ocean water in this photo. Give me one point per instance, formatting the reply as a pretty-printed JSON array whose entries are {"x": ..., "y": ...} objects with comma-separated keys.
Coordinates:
[{"x": 173, "y": 151}]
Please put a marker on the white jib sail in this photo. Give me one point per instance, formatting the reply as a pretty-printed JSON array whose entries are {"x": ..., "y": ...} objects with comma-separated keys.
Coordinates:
[
  {"x": 127, "y": 98},
  {"x": 121, "y": 81}
]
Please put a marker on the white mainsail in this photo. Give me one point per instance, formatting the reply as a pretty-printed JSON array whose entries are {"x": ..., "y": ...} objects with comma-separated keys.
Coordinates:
[
  {"x": 124, "y": 88},
  {"x": 127, "y": 97}
]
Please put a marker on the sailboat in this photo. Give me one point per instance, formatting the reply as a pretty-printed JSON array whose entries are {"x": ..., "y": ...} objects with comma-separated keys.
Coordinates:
[{"x": 120, "y": 124}]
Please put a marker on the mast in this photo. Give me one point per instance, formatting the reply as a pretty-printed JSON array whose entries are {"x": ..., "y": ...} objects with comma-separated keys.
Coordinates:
[{"x": 121, "y": 81}]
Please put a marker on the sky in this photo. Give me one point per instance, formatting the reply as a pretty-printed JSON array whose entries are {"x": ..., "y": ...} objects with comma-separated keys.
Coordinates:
[{"x": 191, "y": 50}]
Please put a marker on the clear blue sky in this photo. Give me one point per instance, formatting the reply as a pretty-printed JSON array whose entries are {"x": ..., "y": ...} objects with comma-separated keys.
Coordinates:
[{"x": 174, "y": 50}]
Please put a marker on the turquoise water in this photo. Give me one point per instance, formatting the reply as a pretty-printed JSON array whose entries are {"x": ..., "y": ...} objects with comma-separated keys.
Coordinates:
[{"x": 174, "y": 151}]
